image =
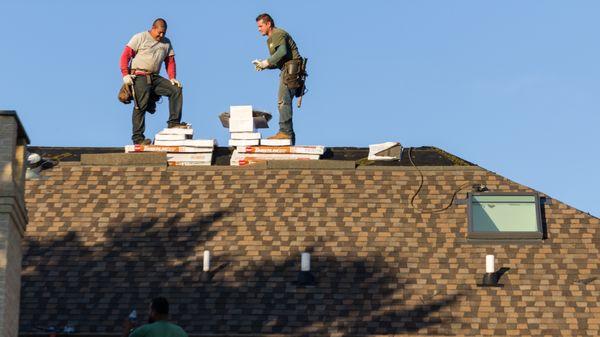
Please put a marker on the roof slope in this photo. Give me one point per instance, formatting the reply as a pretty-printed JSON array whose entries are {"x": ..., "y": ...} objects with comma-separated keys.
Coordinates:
[{"x": 103, "y": 240}]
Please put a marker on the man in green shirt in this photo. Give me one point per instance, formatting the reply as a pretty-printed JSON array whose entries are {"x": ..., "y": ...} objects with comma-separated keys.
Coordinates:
[
  {"x": 158, "y": 325},
  {"x": 284, "y": 52}
]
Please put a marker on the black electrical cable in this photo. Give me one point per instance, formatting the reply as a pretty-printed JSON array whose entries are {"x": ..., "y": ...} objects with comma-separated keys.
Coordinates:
[{"x": 412, "y": 199}]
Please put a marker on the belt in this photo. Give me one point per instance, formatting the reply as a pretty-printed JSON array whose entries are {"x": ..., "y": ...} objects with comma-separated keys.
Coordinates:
[{"x": 142, "y": 72}]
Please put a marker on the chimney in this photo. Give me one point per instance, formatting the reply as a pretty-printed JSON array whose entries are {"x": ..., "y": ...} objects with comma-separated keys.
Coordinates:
[{"x": 13, "y": 218}]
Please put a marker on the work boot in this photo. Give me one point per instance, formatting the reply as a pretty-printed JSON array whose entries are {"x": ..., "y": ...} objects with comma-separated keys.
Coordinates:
[
  {"x": 142, "y": 142},
  {"x": 180, "y": 125},
  {"x": 280, "y": 135}
]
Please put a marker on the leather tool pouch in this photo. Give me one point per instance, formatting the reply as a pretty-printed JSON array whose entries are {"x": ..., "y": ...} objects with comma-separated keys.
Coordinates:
[
  {"x": 293, "y": 74},
  {"x": 125, "y": 96}
]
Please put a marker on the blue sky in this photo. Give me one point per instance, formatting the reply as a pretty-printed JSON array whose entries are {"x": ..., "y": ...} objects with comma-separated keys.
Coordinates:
[{"x": 511, "y": 86}]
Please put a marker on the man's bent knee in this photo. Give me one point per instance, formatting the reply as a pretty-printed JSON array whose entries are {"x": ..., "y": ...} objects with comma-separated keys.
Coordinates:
[{"x": 176, "y": 91}]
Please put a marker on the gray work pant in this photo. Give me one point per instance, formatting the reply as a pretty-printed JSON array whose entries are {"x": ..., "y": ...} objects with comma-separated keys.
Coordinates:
[
  {"x": 284, "y": 105},
  {"x": 143, "y": 92}
]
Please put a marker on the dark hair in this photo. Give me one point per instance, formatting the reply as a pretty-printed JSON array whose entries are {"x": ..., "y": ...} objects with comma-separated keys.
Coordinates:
[
  {"x": 265, "y": 18},
  {"x": 160, "y": 305},
  {"x": 161, "y": 21}
]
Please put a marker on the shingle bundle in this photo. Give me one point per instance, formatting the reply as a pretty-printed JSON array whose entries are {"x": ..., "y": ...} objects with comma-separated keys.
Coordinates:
[
  {"x": 246, "y": 155},
  {"x": 181, "y": 148},
  {"x": 385, "y": 151},
  {"x": 241, "y": 126},
  {"x": 276, "y": 142}
]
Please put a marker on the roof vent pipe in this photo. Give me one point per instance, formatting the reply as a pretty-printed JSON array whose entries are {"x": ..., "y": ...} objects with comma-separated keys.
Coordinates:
[
  {"x": 305, "y": 277},
  {"x": 206, "y": 275},
  {"x": 491, "y": 277}
]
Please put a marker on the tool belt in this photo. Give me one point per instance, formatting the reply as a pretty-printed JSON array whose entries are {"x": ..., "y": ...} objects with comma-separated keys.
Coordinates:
[
  {"x": 127, "y": 93},
  {"x": 294, "y": 73},
  {"x": 143, "y": 72}
]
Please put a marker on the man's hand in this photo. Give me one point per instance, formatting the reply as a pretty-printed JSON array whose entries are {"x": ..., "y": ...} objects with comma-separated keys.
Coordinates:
[
  {"x": 128, "y": 79},
  {"x": 176, "y": 83},
  {"x": 260, "y": 64}
]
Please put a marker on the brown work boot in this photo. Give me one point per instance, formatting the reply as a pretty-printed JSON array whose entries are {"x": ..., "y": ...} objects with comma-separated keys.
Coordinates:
[
  {"x": 142, "y": 142},
  {"x": 181, "y": 125},
  {"x": 280, "y": 135}
]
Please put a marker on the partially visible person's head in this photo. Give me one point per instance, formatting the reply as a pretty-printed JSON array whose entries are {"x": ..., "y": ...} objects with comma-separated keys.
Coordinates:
[
  {"x": 265, "y": 23},
  {"x": 159, "y": 29},
  {"x": 159, "y": 309}
]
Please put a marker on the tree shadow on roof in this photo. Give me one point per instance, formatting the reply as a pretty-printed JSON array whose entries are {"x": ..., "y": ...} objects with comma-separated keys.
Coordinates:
[
  {"x": 69, "y": 279},
  {"x": 352, "y": 297},
  {"x": 94, "y": 286}
]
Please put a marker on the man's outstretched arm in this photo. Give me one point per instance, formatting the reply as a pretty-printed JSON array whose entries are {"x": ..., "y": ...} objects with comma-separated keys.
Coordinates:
[
  {"x": 280, "y": 52},
  {"x": 272, "y": 61}
]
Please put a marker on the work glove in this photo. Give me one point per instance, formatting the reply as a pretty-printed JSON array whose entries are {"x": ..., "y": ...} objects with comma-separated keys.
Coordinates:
[
  {"x": 128, "y": 79},
  {"x": 176, "y": 83},
  {"x": 260, "y": 64}
]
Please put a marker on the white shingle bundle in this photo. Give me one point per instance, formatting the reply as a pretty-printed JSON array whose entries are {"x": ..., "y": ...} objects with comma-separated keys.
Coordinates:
[
  {"x": 276, "y": 142},
  {"x": 181, "y": 148},
  {"x": 385, "y": 151},
  {"x": 241, "y": 126},
  {"x": 246, "y": 155}
]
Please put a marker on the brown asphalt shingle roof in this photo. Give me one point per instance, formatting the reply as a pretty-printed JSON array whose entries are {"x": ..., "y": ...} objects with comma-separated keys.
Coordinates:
[{"x": 103, "y": 240}]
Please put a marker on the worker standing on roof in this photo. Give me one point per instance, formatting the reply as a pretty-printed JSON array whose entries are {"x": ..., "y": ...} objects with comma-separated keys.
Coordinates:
[
  {"x": 140, "y": 65},
  {"x": 284, "y": 55}
]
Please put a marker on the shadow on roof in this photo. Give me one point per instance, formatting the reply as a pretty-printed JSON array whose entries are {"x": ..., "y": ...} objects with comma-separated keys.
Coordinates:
[{"x": 93, "y": 287}]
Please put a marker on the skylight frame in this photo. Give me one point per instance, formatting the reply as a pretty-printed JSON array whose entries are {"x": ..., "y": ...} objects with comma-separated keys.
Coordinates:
[{"x": 538, "y": 234}]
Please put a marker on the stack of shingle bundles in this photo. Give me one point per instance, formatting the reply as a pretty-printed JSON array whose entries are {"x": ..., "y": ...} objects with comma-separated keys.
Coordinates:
[
  {"x": 181, "y": 149},
  {"x": 247, "y": 155},
  {"x": 241, "y": 126}
]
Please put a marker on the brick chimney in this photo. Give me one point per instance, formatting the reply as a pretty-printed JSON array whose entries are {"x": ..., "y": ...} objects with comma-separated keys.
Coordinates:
[{"x": 13, "y": 218}]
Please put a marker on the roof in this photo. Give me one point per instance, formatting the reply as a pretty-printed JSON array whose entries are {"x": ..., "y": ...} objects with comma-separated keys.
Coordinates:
[
  {"x": 102, "y": 240},
  {"x": 423, "y": 156}
]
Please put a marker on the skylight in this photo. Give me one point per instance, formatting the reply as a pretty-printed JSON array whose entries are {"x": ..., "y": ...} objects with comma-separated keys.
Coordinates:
[{"x": 504, "y": 216}]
